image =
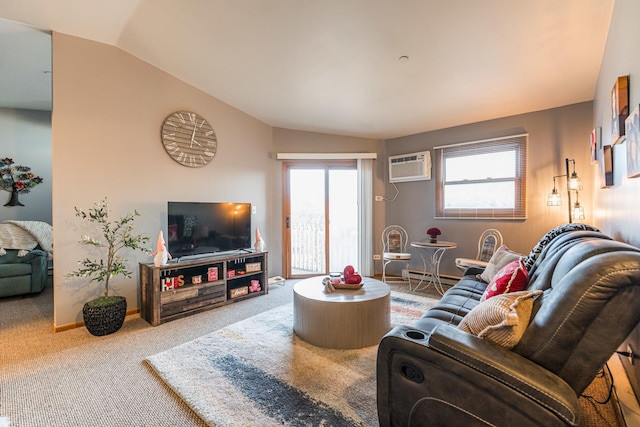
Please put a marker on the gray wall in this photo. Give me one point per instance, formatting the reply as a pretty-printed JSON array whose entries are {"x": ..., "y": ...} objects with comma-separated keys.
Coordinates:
[
  {"x": 618, "y": 206},
  {"x": 25, "y": 137},
  {"x": 553, "y": 136}
]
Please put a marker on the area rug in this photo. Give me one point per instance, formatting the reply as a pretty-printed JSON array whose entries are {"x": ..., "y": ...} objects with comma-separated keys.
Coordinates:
[{"x": 258, "y": 372}]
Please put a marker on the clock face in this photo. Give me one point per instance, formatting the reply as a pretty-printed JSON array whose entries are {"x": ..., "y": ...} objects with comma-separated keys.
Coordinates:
[{"x": 189, "y": 139}]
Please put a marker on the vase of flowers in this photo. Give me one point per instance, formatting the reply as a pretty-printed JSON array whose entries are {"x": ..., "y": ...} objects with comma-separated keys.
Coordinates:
[
  {"x": 105, "y": 314},
  {"x": 433, "y": 234},
  {"x": 16, "y": 179}
]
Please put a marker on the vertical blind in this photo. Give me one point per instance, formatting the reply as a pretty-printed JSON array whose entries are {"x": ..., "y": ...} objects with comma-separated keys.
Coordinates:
[{"x": 482, "y": 179}]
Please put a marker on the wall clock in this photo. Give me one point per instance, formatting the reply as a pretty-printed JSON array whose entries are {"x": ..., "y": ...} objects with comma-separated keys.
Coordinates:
[{"x": 189, "y": 139}]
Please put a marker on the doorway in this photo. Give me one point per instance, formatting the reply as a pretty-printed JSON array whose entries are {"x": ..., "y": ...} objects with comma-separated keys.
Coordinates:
[{"x": 320, "y": 218}]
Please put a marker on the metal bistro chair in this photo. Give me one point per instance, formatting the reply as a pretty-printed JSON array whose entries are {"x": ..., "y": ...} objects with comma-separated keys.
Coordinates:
[
  {"x": 489, "y": 241},
  {"x": 394, "y": 249}
]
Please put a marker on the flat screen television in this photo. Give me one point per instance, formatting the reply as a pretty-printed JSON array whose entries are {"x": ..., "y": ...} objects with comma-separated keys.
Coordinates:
[{"x": 195, "y": 228}]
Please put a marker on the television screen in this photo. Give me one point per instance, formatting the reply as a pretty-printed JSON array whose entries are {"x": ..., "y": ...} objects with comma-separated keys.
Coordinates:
[{"x": 195, "y": 228}]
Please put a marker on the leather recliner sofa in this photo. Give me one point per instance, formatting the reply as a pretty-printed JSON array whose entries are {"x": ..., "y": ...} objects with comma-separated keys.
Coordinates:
[{"x": 432, "y": 373}]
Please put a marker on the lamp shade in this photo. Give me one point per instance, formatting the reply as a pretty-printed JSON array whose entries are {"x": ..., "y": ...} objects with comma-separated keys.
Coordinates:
[
  {"x": 554, "y": 198},
  {"x": 574, "y": 182},
  {"x": 578, "y": 211}
]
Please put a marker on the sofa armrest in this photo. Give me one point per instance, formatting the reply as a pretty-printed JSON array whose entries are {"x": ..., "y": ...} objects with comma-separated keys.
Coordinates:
[
  {"x": 33, "y": 255},
  {"x": 507, "y": 367},
  {"x": 449, "y": 374},
  {"x": 39, "y": 268},
  {"x": 474, "y": 271}
]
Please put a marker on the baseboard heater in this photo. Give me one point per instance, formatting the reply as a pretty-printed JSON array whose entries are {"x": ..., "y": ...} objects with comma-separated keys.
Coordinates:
[{"x": 445, "y": 279}]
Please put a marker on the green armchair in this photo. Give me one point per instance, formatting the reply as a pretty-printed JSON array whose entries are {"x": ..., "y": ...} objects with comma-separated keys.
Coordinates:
[{"x": 22, "y": 274}]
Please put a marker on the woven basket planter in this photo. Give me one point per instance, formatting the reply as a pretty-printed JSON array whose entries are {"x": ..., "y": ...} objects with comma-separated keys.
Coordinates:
[{"x": 105, "y": 319}]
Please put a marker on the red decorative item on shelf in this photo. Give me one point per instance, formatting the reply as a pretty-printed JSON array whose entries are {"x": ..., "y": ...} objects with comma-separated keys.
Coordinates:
[
  {"x": 212, "y": 274},
  {"x": 255, "y": 286}
]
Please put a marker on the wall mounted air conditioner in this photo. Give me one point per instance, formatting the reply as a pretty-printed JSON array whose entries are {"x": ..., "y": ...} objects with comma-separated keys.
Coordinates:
[{"x": 410, "y": 167}]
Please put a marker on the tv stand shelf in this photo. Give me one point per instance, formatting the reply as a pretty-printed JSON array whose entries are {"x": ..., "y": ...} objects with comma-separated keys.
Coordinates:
[{"x": 180, "y": 289}]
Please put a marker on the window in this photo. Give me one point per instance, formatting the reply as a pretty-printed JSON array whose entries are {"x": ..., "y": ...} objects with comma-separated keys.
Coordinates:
[{"x": 482, "y": 179}]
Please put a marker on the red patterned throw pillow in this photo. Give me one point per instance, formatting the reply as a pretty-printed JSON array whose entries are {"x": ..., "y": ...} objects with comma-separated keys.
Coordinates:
[{"x": 513, "y": 277}]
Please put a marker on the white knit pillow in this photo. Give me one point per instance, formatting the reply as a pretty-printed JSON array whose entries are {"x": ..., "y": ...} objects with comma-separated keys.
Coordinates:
[
  {"x": 501, "y": 320},
  {"x": 501, "y": 257}
]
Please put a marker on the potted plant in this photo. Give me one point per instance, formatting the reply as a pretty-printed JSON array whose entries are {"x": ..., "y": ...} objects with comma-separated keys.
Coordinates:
[
  {"x": 433, "y": 233},
  {"x": 105, "y": 314}
]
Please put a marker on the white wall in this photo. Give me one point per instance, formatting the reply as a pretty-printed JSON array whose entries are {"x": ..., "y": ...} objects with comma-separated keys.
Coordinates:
[
  {"x": 25, "y": 137},
  {"x": 108, "y": 108}
]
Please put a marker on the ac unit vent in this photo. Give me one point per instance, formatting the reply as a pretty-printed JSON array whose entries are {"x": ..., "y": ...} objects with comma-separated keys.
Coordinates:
[{"x": 410, "y": 167}]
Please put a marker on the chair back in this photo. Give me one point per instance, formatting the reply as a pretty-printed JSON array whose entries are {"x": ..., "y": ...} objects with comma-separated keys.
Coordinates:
[
  {"x": 394, "y": 239},
  {"x": 489, "y": 241}
]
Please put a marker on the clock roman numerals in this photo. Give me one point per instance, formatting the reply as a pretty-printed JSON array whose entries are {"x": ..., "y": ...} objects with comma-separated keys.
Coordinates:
[{"x": 189, "y": 139}]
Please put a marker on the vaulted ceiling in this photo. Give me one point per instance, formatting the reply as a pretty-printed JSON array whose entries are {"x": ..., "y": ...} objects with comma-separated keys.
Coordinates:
[{"x": 369, "y": 68}]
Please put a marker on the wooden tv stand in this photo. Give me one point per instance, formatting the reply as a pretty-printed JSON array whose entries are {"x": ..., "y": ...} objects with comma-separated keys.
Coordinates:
[{"x": 180, "y": 289}]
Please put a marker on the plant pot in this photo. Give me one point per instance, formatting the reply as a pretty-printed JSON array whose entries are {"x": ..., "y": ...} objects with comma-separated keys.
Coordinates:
[
  {"x": 433, "y": 239},
  {"x": 104, "y": 315}
]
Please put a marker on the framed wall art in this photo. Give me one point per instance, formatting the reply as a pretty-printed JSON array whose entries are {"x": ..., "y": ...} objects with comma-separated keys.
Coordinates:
[
  {"x": 619, "y": 108},
  {"x": 595, "y": 145},
  {"x": 632, "y": 129},
  {"x": 606, "y": 166}
]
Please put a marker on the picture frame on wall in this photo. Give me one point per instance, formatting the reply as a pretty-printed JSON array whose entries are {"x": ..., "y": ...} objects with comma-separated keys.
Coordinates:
[
  {"x": 595, "y": 145},
  {"x": 606, "y": 166},
  {"x": 632, "y": 129},
  {"x": 619, "y": 109}
]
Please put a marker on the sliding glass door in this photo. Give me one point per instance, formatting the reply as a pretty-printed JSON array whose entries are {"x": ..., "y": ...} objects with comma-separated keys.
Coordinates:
[{"x": 320, "y": 218}]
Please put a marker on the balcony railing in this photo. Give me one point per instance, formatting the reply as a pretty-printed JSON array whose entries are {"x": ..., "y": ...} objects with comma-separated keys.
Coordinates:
[{"x": 308, "y": 246}]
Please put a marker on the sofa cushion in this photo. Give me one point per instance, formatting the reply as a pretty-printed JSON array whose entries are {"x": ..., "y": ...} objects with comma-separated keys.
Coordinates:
[
  {"x": 500, "y": 258},
  {"x": 501, "y": 320},
  {"x": 12, "y": 270},
  {"x": 512, "y": 277}
]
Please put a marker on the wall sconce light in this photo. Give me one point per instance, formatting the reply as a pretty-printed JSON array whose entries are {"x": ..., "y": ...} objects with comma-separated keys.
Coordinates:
[{"x": 576, "y": 211}]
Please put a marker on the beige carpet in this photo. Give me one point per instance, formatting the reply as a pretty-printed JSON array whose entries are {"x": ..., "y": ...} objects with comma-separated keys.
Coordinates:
[
  {"x": 598, "y": 404},
  {"x": 277, "y": 379},
  {"x": 72, "y": 378}
]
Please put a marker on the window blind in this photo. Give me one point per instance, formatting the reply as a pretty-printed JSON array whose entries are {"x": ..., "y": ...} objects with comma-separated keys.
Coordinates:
[{"x": 482, "y": 179}]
